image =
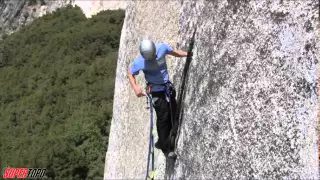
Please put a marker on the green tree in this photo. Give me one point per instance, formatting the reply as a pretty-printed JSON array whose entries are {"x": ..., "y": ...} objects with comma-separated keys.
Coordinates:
[
  {"x": 42, "y": 2},
  {"x": 57, "y": 84},
  {"x": 32, "y": 2}
]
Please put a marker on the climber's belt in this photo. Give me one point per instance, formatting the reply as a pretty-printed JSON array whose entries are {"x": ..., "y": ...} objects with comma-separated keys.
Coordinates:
[{"x": 168, "y": 90}]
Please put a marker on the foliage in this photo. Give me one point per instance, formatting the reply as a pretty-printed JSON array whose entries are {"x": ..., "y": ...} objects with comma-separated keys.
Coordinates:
[
  {"x": 42, "y": 2},
  {"x": 57, "y": 82},
  {"x": 32, "y": 2}
]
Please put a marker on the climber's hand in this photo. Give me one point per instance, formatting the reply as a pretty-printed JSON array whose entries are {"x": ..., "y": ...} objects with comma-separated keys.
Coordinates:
[{"x": 138, "y": 91}]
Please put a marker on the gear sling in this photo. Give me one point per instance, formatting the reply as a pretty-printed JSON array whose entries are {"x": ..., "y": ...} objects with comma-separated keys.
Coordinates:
[{"x": 168, "y": 92}]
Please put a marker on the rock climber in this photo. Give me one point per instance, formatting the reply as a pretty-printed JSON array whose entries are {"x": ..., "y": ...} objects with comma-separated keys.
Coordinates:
[{"x": 152, "y": 61}]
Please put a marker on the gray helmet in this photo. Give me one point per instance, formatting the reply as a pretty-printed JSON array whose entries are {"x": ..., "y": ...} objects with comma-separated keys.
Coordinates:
[{"x": 147, "y": 49}]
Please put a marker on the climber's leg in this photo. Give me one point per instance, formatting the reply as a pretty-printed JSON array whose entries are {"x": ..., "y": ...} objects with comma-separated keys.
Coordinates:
[
  {"x": 163, "y": 122},
  {"x": 174, "y": 109}
]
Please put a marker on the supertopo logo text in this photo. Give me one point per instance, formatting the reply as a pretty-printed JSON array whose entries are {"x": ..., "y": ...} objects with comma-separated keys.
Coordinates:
[{"x": 22, "y": 173}]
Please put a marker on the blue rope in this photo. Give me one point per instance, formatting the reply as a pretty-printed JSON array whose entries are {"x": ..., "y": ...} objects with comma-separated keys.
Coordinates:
[
  {"x": 151, "y": 138},
  {"x": 151, "y": 142},
  {"x": 151, "y": 129}
]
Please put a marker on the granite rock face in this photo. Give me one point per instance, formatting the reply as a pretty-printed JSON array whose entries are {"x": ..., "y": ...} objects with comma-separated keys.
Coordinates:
[
  {"x": 17, "y": 13},
  {"x": 318, "y": 90},
  {"x": 128, "y": 140},
  {"x": 248, "y": 95},
  {"x": 92, "y": 7},
  {"x": 250, "y": 103}
]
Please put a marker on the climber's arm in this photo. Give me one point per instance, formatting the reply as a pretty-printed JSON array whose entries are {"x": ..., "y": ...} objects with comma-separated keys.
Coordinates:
[
  {"x": 178, "y": 53},
  {"x": 133, "y": 71},
  {"x": 137, "y": 89},
  {"x": 174, "y": 52},
  {"x": 132, "y": 80}
]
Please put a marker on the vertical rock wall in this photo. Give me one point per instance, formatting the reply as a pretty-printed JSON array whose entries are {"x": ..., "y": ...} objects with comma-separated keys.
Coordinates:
[
  {"x": 92, "y": 7},
  {"x": 128, "y": 142},
  {"x": 249, "y": 102},
  {"x": 17, "y": 13}
]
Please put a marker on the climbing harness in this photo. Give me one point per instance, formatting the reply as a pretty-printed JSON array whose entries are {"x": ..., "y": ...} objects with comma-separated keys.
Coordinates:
[
  {"x": 168, "y": 91},
  {"x": 150, "y": 103},
  {"x": 151, "y": 140}
]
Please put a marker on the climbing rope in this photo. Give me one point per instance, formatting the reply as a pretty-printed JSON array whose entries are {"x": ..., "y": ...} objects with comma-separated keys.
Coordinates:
[
  {"x": 150, "y": 103},
  {"x": 151, "y": 139}
]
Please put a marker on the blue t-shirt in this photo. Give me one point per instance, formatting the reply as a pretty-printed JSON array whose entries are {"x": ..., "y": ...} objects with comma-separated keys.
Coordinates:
[{"x": 155, "y": 71}]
